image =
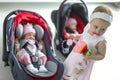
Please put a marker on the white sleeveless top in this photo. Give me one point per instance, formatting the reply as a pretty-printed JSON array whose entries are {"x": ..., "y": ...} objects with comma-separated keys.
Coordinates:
[{"x": 91, "y": 40}]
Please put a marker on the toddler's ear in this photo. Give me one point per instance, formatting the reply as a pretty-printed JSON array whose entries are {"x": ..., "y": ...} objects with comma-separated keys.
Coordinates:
[
  {"x": 39, "y": 32},
  {"x": 19, "y": 31}
]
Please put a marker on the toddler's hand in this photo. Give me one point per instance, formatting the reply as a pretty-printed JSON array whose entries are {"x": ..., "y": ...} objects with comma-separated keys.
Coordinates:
[
  {"x": 88, "y": 53},
  {"x": 86, "y": 58},
  {"x": 77, "y": 36}
]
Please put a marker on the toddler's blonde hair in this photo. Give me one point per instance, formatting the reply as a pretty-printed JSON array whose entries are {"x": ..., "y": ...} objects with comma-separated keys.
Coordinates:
[{"x": 104, "y": 9}]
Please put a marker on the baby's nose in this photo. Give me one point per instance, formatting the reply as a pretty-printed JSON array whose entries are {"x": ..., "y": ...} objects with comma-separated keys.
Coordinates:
[{"x": 32, "y": 37}]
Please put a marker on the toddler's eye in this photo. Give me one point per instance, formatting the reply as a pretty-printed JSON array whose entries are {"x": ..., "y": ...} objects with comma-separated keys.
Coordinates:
[
  {"x": 103, "y": 29},
  {"x": 95, "y": 27}
]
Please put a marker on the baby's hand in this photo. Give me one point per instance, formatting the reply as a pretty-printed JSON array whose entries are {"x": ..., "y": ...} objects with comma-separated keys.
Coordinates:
[
  {"x": 71, "y": 36},
  {"x": 16, "y": 41},
  {"x": 17, "y": 45},
  {"x": 40, "y": 43}
]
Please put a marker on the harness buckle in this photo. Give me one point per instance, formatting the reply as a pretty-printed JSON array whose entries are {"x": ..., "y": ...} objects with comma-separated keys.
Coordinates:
[{"x": 34, "y": 58}]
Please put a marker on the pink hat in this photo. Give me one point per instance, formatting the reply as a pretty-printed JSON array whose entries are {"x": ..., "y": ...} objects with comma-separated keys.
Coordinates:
[
  {"x": 70, "y": 21},
  {"x": 28, "y": 28}
]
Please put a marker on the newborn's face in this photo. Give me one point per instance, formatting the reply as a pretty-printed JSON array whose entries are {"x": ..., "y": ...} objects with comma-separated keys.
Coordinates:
[
  {"x": 73, "y": 26},
  {"x": 30, "y": 35}
]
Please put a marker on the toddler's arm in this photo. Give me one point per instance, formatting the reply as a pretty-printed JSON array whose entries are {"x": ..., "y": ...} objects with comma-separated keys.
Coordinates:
[{"x": 101, "y": 50}]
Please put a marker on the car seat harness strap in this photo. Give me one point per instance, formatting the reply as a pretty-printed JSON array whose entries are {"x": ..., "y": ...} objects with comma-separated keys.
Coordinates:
[{"x": 34, "y": 58}]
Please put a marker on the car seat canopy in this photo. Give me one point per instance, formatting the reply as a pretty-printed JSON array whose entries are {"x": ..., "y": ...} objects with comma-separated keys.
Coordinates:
[{"x": 27, "y": 17}]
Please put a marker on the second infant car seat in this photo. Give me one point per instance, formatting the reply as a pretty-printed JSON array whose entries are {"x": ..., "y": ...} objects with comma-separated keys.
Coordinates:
[{"x": 67, "y": 9}]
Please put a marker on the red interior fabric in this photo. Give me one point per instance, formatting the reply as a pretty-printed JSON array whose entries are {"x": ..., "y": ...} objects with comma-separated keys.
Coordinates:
[
  {"x": 80, "y": 23},
  {"x": 65, "y": 34},
  {"x": 29, "y": 17}
]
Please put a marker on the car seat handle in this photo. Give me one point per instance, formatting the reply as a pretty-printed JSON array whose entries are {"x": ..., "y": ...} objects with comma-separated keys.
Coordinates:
[
  {"x": 73, "y": 1},
  {"x": 5, "y": 49},
  {"x": 80, "y": 0}
]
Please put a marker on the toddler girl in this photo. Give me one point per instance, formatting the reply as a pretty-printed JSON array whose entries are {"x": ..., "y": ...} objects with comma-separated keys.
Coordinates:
[{"x": 77, "y": 66}]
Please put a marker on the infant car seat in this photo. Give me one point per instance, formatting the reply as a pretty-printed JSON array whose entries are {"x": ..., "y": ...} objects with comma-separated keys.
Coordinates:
[
  {"x": 77, "y": 10},
  {"x": 11, "y": 30},
  {"x": 39, "y": 35}
]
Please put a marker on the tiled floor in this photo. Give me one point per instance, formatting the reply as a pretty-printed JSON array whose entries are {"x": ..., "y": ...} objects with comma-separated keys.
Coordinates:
[{"x": 108, "y": 69}]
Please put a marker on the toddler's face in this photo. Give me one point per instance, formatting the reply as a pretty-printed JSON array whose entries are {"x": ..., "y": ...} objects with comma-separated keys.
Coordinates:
[
  {"x": 30, "y": 35},
  {"x": 98, "y": 27}
]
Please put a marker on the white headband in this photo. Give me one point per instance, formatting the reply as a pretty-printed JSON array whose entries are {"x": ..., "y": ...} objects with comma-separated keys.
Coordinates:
[{"x": 101, "y": 15}]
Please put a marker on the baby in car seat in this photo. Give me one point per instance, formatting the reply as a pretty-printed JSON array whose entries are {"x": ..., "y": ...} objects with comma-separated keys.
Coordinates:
[
  {"x": 71, "y": 28},
  {"x": 32, "y": 47},
  {"x": 72, "y": 33}
]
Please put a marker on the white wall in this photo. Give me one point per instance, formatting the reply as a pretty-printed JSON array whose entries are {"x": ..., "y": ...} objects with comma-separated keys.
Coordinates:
[{"x": 107, "y": 69}]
